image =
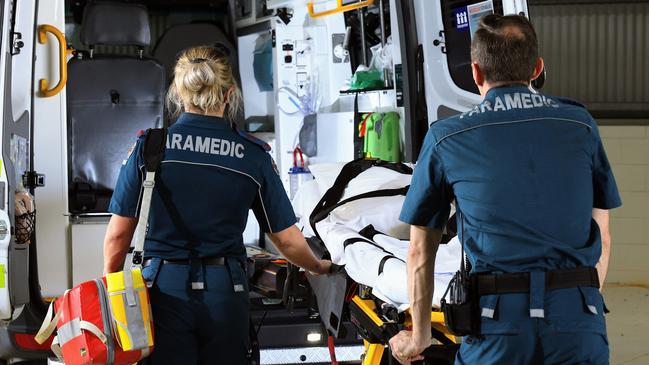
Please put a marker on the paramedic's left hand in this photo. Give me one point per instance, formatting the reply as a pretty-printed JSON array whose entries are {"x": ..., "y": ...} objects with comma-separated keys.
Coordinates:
[{"x": 406, "y": 349}]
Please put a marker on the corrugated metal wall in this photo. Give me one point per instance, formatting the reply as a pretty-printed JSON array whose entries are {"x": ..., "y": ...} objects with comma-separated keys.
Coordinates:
[{"x": 597, "y": 54}]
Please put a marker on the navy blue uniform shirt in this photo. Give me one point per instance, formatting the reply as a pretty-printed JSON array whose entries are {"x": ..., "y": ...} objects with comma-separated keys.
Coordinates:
[
  {"x": 526, "y": 170},
  {"x": 209, "y": 179}
]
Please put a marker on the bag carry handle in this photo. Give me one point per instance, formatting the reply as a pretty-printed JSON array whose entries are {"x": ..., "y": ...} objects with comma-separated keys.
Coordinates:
[
  {"x": 48, "y": 326},
  {"x": 90, "y": 327},
  {"x": 56, "y": 349},
  {"x": 83, "y": 325}
]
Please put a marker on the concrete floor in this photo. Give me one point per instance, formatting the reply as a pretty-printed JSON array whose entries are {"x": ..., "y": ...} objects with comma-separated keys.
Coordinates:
[{"x": 628, "y": 324}]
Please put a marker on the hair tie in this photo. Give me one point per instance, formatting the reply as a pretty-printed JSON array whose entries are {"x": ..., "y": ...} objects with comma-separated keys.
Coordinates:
[{"x": 198, "y": 60}]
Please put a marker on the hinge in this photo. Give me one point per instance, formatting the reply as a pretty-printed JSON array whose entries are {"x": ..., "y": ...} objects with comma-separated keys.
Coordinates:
[
  {"x": 441, "y": 41},
  {"x": 32, "y": 180},
  {"x": 16, "y": 43}
]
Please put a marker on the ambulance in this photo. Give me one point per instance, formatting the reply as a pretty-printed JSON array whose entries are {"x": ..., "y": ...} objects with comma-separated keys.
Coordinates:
[{"x": 80, "y": 78}]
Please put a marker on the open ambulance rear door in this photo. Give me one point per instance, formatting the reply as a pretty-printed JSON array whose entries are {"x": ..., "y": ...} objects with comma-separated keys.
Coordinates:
[
  {"x": 435, "y": 73},
  {"x": 32, "y": 74}
]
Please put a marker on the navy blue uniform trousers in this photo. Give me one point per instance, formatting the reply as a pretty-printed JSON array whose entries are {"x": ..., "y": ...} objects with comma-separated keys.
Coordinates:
[
  {"x": 207, "y": 326},
  {"x": 569, "y": 329}
]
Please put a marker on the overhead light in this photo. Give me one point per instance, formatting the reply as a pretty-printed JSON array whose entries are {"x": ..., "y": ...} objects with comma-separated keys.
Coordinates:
[{"x": 314, "y": 337}]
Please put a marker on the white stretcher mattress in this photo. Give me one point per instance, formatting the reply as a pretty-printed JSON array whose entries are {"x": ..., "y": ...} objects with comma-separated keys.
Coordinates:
[{"x": 362, "y": 259}]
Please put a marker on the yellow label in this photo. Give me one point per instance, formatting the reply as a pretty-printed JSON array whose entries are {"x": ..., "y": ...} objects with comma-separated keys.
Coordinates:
[
  {"x": 3, "y": 273},
  {"x": 115, "y": 280},
  {"x": 117, "y": 298}
]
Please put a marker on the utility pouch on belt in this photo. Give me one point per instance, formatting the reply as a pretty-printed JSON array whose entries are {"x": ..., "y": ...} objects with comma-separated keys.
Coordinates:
[
  {"x": 460, "y": 301},
  {"x": 108, "y": 320}
]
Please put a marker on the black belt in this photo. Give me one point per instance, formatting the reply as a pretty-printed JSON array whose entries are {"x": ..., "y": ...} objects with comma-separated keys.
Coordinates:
[
  {"x": 520, "y": 282},
  {"x": 207, "y": 261}
]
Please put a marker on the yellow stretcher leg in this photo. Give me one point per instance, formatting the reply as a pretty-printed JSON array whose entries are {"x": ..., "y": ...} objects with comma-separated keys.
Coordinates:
[{"x": 373, "y": 353}]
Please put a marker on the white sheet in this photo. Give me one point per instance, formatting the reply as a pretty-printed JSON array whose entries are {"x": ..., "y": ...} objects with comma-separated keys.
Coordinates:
[{"x": 362, "y": 260}]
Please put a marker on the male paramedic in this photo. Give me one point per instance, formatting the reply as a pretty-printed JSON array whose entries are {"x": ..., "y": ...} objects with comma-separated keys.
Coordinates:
[{"x": 531, "y": 179}]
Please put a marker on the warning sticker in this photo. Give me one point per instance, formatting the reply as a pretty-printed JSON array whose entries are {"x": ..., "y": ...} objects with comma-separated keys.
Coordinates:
[
  {"x": 461, "y": 18},
  {"x": 476, "y": 12}
]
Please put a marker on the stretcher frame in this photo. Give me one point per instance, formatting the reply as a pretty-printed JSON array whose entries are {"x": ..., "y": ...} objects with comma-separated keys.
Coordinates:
[{"x": 375, "y": 347}]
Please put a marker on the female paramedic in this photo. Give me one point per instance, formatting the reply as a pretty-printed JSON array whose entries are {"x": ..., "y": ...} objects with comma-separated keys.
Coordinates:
[{"x": 210, "y": 177}]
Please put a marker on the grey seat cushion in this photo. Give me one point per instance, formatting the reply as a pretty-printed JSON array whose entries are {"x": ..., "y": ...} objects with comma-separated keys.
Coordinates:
[
  {"x": 115, "y": 23},
  {"x": 109, "y": 99}
]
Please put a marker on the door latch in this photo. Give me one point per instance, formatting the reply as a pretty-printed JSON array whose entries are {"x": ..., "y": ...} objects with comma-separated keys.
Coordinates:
[
  {"x": 16, "y": 43},
  {"x": 32, "y": 180},
  {"x": 441, "y": 41}
]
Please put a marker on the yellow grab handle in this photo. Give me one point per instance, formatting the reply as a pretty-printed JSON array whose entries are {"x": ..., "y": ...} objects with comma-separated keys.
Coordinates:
[
  {"x": 63, "y": 64},
  {"x": 340, "y": 8}
]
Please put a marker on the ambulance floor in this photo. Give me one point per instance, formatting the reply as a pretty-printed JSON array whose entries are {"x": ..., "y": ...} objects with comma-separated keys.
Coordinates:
[{"x": 628, "y": 324}]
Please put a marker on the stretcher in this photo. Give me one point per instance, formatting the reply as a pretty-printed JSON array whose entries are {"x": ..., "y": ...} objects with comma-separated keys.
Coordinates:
[{"x": 355, "y": 224}]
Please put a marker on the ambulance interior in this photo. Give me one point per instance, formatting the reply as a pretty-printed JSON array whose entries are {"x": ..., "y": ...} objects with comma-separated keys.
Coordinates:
[{"x": 326, "y": 82}]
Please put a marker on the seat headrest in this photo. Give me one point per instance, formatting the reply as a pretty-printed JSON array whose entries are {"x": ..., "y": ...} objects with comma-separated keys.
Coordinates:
[{"x": 114, "y": 23}]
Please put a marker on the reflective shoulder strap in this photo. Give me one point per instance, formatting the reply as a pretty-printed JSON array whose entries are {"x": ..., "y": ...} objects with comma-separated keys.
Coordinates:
[
  {"x": 143, "y": 220},
  {"x": 153, "y": 154}
]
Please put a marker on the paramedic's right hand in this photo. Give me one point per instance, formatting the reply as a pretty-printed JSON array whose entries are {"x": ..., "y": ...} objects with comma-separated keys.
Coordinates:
[
  {"x": 117, "y": 242},
  {"x": 293, "y": 246},
  {"x": 406, "y": 348}
]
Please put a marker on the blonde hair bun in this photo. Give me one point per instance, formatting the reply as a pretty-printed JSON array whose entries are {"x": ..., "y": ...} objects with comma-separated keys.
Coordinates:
[{"x": 203, "y": 80}]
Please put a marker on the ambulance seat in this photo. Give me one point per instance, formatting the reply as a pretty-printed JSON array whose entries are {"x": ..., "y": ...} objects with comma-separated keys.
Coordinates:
[
  {"x": 183, "y": 36},
  {"x": 109, "y": 99}
]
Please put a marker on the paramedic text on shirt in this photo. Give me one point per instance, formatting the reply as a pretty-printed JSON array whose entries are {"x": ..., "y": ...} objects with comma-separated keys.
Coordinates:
[
  {"x": 211, "y": 176},
  {"x": 530, "y": 177}
]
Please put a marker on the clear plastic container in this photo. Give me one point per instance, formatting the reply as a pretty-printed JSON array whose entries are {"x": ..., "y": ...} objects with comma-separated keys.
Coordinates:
[{"x": 298, "y": 175}]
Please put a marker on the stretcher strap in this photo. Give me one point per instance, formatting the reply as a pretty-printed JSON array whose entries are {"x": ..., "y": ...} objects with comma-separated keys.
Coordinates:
[
  {"x": 331, "y": 199},
  {"x": 384, "y": 260},
  {"x": 318, "y": 216},
  {"x": 353, "y": 240}
]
